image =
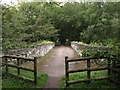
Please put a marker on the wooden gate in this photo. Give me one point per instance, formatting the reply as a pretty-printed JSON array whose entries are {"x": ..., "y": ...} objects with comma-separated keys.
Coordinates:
[{"x": 88, "y": 69}]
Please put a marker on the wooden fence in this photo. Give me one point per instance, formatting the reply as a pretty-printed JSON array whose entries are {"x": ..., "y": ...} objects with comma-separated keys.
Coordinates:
[
  {"x": 88, "y": 69},
  {"x": 6, "y": 64}
]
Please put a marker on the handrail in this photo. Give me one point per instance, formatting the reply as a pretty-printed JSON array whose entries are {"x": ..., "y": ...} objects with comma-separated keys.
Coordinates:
[
  {"x": 85, "y": 58},
  {"x": 18, "y": 58},
  {"x": 88, "y": 69}
]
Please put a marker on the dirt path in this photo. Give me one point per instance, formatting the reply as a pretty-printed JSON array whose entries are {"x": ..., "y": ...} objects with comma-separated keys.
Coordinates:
[{"x": 53, "y": 64}]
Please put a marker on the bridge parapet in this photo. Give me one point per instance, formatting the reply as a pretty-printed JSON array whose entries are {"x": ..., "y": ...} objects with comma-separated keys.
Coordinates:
[{"x": 31, "y": 52}]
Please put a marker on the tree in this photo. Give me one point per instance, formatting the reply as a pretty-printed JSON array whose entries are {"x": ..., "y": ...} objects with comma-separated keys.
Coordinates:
[{"x": 25, "y": 24}]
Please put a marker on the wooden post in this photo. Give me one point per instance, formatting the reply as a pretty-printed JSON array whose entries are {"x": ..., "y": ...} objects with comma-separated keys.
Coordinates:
[
  {"x": 88, "y": 66},
  {"x": 25, "y": 55},
  {"x": 18, "y": 63},
  {"x": 109, "y": 62},
  {"x": 35, "y": 70},
  {"x": 6, "y": 62},
  {"x": 66, "y": 71}
]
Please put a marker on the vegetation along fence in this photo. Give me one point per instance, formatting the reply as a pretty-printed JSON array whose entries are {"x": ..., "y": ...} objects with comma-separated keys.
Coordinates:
[
  {"x": 18, "y": 58},
  {"x": 88, "y": 69}
]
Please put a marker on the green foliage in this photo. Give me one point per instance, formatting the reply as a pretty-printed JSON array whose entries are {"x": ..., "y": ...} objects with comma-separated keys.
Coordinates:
[
  {"x": 103, "y": 23},
  {"x": 109, "y": 43},
  {"x": 96, "y": 53},
  {"x": 96, "y": 44},
  {"x": 78, "y": 42},
  {"x": 91, "y": 22},
  {"x": 81, "y": 42},
  {"x": 111, "y": 53},
  {"x": 43, "y": 42},
  {"x": 36, "y": 43},
  {"x": 26, "y": 24},
  {"x": 25, "y": 44},
  {"x": 92, "y": 84},
  {"x": 15, "y": 82}
]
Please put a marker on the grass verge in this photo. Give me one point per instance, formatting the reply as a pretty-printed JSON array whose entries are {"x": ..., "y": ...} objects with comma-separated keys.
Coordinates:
[
  {"x": 92, "y": 84},
  {"x": 8, "y": 81},
  {"x": 24, "y": 45},
  {"x": 35, "y": 43}
]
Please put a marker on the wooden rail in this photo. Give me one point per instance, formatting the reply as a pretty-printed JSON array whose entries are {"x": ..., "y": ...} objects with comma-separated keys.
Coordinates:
[
  {"x": 19, "y": 67},
  {"x": 87, "y": 80},
  {"x": 88, "y": 69}
]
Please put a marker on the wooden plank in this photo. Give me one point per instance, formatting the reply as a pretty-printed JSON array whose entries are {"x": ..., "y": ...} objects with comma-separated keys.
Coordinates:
[
  {"x": 6, "y": 61},
  {"x": 85, "y": 58},
  {"x": 2, "y": 56},
  {"x": 109, "y": 65},
  {"x": 18, "y": 57},
  {"x": 3, "y": 64},
  {"x": 91, "y": 69},
  {"x": 35, "y": 70},
  {"x": 87, "y": 80},
  {"x": 18, "y": 63},
  {"x": 66, "y": 71},
  {"x": 88, "y": 66},
  {"x": 115, "y": 69},
  {"x": 15, "y": 66},
  {"x": 79, "y": 59},
  {"x": 22, "y": 77}
]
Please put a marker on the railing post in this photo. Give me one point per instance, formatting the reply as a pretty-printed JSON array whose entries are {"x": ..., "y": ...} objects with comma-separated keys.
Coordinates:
[
  {"x": 18, "y": 63},
  {"x": 88, "y": 66},
  {"x": 109, "y": 62},
  {"x": 6, "y": 62},
  {"x": 66, "y": 71},
  {"x": 35, "y": 70}
]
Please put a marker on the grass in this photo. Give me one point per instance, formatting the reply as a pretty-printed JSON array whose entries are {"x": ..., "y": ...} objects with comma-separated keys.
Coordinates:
[
  {"x": 92, "y": 84},
  {"x": 25, "y": 44},
  {"x": 92, "y": 44},
  {"x": 78, "y": 42},
  {"x": 8, "y": 81},
  {"x": 45, "y": 42}
]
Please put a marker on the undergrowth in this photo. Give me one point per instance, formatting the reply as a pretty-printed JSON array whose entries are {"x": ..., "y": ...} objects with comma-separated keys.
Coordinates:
[
  {"x": 92, "y": 84},
  {"x": 8, "y": 81}
]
